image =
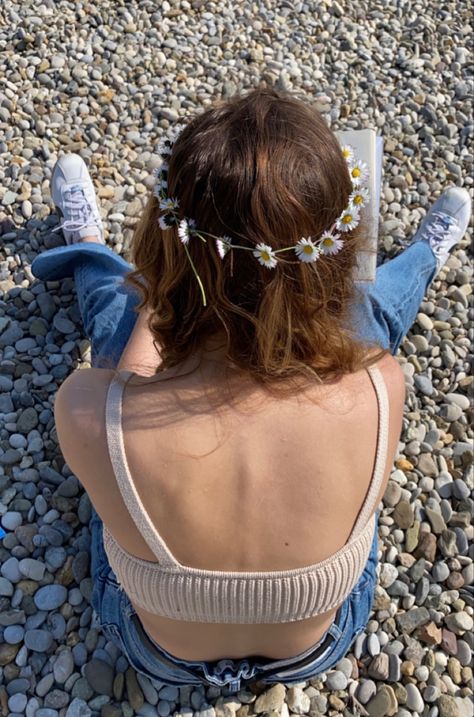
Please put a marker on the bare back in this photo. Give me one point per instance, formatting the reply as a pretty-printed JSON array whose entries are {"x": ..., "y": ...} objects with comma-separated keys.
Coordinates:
[{"x": 268, "y": 485}]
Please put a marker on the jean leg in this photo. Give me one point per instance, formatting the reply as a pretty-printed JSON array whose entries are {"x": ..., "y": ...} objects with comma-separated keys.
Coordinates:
[
  {"x": 383, "y": 312},
  {"x": 386, "y": 309},
  {"x": 106, "y": 304}
]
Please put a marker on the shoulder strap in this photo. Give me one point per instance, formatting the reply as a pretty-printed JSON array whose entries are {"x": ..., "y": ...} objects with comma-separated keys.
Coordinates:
[
  {"x": 131, "y": 498},
  {"x": 369, "y": 504}
]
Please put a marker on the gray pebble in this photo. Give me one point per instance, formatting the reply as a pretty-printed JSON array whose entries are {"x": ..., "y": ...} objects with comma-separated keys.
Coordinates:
[
  {"x": 63, "y": 324},
  {"x": 32, "y": 569},
  {"x": 423, "y": 383},
  {"x": 414, "y": 698},
  {"x": 17, "y": 703},
  {"x": 28, "y": 420},
  {"x": 461, "y": 490},
  {"x": 6, "y": 384},
  {"x": 440, "y": 572},
  {"x": 464, "y": 653},
  {"x": 169, "y": 693},
  {"x": 25, "y": 345},
  {"x": 459, "y": 622},
  {"x": 45, "y": 684},
  {"x": 431, "y": 693},
  {"x": 10, "y": 570},
  {"x": 50, "y": 597},
  {"x": 78, "y": 708},
  {"x": 11, "y": 520},
  {"x": 366, "y": 691},
  {"x": 38, "y": 640},
  {"x": 373, "y": 644},
  {"x": 13, "y": 634},
  {"x": 394, "y": 668},
  {"x": 336, "y": 680},
  {"x": 63, "y": 666}
]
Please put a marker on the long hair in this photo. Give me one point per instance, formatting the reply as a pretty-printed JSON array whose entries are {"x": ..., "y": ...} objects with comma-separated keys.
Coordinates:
[{"x": 260, "y": 167}]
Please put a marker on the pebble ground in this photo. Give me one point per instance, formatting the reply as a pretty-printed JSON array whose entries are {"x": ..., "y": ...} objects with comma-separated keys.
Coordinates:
[{"x": 105, "y": 79}]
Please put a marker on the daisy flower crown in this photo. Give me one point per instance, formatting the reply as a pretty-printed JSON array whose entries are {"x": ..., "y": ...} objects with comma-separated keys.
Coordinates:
[{"x": 307, "y": 249}]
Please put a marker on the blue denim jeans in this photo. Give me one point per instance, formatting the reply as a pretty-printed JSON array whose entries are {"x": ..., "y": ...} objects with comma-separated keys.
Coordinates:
[{"x": 383, "y": 314}]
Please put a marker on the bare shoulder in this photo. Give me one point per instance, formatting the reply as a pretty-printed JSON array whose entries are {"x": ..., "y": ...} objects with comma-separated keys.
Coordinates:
[
  {"x": 79, "y": 409},
  {"x": 393, "y": 375},
  {"x": 394, "y": 379},
  {"x": 81, "y": 390}
]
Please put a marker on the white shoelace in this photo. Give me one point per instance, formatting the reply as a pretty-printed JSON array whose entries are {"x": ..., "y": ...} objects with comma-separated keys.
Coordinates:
[
  {"x": 439, "y": 229},
  {"x": 82, "y": 214}
]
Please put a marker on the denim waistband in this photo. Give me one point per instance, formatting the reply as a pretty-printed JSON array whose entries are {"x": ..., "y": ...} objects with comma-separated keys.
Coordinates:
[{"x": 233, "y": 672}]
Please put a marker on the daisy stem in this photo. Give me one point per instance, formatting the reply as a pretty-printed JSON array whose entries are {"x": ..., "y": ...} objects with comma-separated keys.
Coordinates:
[
  {"x": 287, "y": 248},
  {"x": 197, "y": 275},
  {"x": 200, "y": 237},
  {"x": 208, "y": 234}
]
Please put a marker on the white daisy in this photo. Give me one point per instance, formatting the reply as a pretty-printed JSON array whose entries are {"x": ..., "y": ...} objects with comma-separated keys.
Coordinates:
[
  {"x": 349, "y": 219},
  {"x": 162, "y": 221},
  {"x": 359, "y": 172},
  {"x": 359, "y": 197},
  {"x": 183, "y": 230},
  {"x": 169, "y": 204},
  {"x": 223, "y": 245},
  {"x": 164, "y": 146},
  {"x": 306, "y": 250},
  {"x": 160, "y": 188},
  {"x": 265, "y": 255},
  {"x": 330, "y": 243},
  {"x": 348, "y": 152},
  {"x": 174, "y": 132}
]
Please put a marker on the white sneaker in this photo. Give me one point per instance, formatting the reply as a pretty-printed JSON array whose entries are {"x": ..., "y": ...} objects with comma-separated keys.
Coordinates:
[
  {"x": 446, "y": 222},
  {"x": 74, "y": 196}
]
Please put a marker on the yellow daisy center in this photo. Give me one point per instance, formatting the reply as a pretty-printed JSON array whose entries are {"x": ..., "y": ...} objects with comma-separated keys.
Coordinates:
[
  {"x": 346, "y": 153},
  {"x": 307, "y": 249},
  {"x": 356, "y": 172},
  {"x": 358, "y": 199},
  {"x": 347, "y": 218},
  {"x": 328, "y": 241},
  {"x": 265, "y": 255}
]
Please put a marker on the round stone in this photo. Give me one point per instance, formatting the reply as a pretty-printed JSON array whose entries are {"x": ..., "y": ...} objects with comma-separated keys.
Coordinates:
[
  {"x": 63, "y": 666},
  {"x": 32, "y": 569},
  {"x": 459, "y": 622},
  {"x": 414, "y": 699},
  {"x": 440, "y": 572},
  {"x": 17, "y": 703},
  {"x": 388, "y": 575},
  {"x": 464, "y": 652},
  {"x": 13, "y": 634},
  {"x": 16, "y": 440},
  {"x": 365, "y": 691},
  {"x": 11, "y": 520},
  {"x": 38, "y": 640},
  {"x": 431, "y": 693},
  {"x": 50, "y": 597},
  {"x": 336, "y": 680}
]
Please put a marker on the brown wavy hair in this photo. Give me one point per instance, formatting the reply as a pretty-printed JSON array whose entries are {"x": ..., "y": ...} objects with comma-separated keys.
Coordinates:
[{"x": 259, "y": 167}]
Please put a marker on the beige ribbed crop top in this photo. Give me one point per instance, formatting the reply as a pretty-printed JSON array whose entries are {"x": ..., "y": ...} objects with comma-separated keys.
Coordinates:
[{"x": 180, "y": 592}]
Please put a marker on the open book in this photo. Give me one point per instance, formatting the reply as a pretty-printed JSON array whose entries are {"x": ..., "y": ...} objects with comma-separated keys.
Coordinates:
[{"x": 369, "y": 148}]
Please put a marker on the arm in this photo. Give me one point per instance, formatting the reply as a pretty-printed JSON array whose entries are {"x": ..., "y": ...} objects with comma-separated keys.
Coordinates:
[{"x": 140, "y": 354}]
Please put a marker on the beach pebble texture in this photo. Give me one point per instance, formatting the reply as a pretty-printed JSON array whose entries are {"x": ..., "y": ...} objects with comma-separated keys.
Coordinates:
[{"x": 106, "y": 79}]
